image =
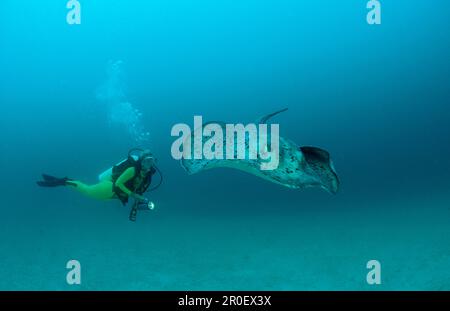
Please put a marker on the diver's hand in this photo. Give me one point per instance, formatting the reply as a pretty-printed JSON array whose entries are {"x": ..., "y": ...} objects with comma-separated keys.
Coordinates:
[{"x": 138, "y": 197}]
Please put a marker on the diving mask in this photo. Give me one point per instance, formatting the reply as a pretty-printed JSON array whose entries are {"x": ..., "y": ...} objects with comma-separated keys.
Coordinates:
[{"x": 148, "y": 162}]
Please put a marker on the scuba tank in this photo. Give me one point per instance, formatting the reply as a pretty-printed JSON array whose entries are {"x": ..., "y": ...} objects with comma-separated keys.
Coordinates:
[{"x": 107, "y": 174}]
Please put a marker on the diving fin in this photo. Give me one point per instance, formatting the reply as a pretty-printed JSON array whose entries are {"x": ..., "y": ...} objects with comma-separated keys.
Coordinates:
[
  {"x": 49, "y": 178},
  {"x": 51, "y": 181}
]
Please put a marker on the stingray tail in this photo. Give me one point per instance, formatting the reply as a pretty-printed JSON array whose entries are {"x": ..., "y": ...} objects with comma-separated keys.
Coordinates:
[{"x": 267, "y": 117}]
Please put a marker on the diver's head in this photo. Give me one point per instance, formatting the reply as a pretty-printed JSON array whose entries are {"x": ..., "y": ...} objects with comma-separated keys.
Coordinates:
[{"x": 147, "y": 161}]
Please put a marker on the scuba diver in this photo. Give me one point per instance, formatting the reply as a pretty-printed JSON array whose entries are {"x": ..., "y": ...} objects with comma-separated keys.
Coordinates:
[{"x": 129, "y": 178}]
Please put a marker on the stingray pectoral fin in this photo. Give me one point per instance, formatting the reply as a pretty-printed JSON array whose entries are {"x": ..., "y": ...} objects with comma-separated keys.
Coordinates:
[
  {"x": 319, "y": 162},
  {"x": 195, "y": 166},
  {"x": 248, "y": 166}
]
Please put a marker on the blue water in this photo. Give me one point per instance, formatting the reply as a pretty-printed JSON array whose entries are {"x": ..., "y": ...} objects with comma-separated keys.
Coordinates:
[{"x": 75, "y": 98}]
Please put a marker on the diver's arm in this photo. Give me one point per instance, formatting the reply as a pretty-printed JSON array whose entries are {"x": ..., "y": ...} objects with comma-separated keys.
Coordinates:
[{"x": 123, "y": 179}]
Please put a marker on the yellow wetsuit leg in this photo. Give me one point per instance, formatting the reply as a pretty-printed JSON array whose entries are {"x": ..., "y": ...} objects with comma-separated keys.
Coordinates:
[{"x": 101, "y": 191}]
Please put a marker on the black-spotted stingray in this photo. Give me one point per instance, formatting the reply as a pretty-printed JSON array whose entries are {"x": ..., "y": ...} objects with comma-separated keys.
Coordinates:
[{"x": 299, "y": 167}]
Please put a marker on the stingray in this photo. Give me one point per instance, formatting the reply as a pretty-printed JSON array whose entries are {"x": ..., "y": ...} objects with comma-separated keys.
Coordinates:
[{"x": 299, "y": 167}]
